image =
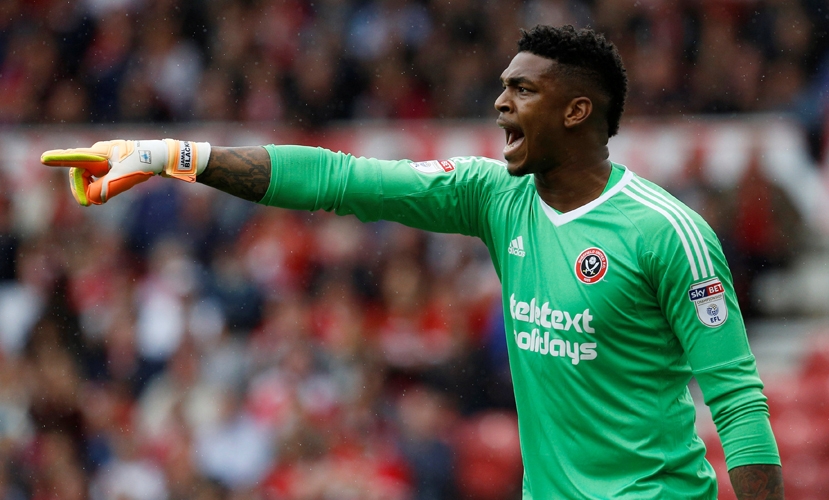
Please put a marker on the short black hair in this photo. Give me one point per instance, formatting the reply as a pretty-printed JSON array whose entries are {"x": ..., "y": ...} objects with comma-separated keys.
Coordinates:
[{"x": 585, "y": 54}]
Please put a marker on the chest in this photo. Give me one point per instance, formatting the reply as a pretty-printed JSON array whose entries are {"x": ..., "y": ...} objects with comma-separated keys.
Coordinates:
[
  {"x": 590, "y": 263},
  {"x": 577, "y": 288}
]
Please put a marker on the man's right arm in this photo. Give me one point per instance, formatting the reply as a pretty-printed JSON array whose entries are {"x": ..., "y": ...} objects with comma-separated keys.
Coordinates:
[
  {"x": 244, "y": 172},
  {"x": 438, "y": 195},
  {"x": 446, "y": 196}
]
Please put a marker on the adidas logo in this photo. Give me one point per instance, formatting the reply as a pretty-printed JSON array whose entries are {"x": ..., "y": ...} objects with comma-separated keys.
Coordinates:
[{"x": 516, "y": 247}]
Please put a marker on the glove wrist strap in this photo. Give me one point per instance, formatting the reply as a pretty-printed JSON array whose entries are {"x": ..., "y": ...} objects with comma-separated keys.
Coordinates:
[{"x": 185, "y": 159}]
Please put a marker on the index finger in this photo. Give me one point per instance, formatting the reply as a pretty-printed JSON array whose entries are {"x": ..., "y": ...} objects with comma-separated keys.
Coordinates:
[{"x": 83, "y": 158}]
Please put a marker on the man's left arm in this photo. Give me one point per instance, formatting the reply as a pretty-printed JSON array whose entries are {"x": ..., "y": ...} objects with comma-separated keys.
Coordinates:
[
  {"x": 757, "y": 482},
  {"x": 694, "y": 287}
]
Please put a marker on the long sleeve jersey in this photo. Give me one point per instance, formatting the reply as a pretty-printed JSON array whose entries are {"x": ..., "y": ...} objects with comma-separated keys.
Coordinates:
[{"x": 610, "y": 309}]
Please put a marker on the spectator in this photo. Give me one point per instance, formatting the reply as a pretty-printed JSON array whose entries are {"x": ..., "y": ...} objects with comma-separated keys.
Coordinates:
[
  {"x": 766, "y": 231},
  {"x": 298, "y": 61}
]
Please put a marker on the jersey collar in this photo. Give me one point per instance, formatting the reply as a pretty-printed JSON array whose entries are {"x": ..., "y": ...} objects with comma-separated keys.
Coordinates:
[{"x": 560, "y": 219}]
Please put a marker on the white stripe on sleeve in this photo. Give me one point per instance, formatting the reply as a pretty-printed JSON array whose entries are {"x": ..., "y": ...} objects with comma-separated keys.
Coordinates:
[
  {"x": 673, "y": 222},
  {"x": 683, "y": 217}
]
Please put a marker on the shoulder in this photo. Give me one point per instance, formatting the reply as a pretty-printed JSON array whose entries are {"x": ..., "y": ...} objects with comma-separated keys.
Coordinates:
[
  {"x": 480, "y": 162},
  {"x": 666, "y": 226},
  {"x": 458, "y": 163},
  {"x": 478, "y": 166},
  {"x": 658, "y": 213},
  {"x": 489, "y": 173}
]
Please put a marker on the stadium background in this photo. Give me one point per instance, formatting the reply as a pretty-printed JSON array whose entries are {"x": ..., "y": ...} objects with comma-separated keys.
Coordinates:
[{"x": 182, "y": 344}]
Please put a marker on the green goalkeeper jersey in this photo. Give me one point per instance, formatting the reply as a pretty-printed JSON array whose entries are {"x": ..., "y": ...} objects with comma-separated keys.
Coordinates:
[{"x": 610, "y": 309}]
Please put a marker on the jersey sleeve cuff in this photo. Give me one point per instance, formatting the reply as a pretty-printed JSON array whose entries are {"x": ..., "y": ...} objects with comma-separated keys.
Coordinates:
[
  {"x": 750, "y": 442},
  {"x": 273, "y": 187}
]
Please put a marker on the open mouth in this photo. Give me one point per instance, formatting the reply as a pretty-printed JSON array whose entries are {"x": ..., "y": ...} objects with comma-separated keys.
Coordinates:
[{"x": 515, "y": 138}]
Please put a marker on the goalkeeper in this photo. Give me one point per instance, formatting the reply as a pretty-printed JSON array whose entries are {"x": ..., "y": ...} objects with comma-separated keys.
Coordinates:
[{"x": 615, "y": 293}]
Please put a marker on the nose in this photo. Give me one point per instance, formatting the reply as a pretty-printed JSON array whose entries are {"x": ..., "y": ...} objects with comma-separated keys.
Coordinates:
[{"x": 503, "y": 103}]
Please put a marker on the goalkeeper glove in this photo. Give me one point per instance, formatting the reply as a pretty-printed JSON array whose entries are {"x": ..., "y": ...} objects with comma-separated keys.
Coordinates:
[{"x": 109, "y": 168}]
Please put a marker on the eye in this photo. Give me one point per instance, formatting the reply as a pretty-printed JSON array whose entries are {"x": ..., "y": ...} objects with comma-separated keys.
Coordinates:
[{"x": 521, "y": 90}]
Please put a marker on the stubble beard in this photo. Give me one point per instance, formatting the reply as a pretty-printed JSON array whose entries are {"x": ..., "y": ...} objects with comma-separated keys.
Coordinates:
[{"x": 519, "y": 171}]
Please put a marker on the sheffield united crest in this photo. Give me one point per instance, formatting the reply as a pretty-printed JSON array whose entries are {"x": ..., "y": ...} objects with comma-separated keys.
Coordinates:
[{"x": 591, "y": 266}]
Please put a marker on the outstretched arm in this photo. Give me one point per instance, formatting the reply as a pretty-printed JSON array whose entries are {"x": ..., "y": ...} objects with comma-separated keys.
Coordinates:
[
  {"x": 757, "y": 482},
  {"x": 438, "y": 195},
  {"x": 244, "y": 172},
  {"x": 100, "y": 172}
]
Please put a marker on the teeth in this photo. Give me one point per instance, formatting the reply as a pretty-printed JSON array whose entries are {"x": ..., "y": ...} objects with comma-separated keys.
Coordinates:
[{"x": 513, "y": 144}]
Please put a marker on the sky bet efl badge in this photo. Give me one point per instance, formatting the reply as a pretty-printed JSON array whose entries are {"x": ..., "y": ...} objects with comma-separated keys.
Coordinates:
[{"x": 709, "y": 300}]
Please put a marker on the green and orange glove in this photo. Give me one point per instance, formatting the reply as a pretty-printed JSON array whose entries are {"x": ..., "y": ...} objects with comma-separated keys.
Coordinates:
[{"x": 109, "y": 168}]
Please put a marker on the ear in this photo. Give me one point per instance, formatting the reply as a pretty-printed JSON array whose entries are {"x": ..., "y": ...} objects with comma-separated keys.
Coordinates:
[{"x": 577, "y": 111}]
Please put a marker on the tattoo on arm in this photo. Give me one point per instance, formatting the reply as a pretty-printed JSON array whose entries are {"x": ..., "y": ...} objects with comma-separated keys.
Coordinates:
[
  {"x": 757, "y": 482},
  {"x": 243, "y": 172}
]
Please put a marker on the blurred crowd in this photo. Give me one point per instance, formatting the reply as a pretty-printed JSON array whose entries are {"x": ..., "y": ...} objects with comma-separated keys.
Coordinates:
[
  {"x": 306, "y": 63},
  {"x": 181, "y": 344},
  {"x": 198, "y": 347}
]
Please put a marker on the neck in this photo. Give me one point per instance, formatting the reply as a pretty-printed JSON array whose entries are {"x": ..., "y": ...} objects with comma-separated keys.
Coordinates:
[{"x": 573, "y": 184}]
